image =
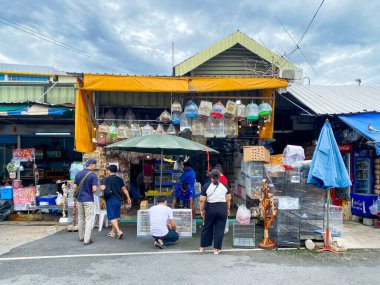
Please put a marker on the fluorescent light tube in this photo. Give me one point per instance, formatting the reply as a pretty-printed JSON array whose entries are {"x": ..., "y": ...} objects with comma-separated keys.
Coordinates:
[{"x": 52, "y": 134}]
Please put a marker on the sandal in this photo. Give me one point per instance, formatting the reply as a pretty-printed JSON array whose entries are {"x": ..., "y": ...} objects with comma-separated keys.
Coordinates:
[
  {"x": 159, "y": 243},
  {"x": 111, "y": 234},
  {"x": 201, "y": 249},
  {"x": 216, "y": 251},
  {"x": 119, "y": 235}
]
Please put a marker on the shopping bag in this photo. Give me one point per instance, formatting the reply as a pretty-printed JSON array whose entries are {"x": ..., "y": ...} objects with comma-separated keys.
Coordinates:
[
  {"x": 243, "y": 215},
  {"x": 226, "y": 228}
]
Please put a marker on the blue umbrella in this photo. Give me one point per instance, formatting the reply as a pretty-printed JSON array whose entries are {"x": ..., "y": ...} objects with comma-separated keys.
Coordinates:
[{"x": 327, "y": 169}]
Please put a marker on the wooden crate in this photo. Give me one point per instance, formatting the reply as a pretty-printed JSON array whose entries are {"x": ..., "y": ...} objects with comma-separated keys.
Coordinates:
[{"x": 256, "y": 153}]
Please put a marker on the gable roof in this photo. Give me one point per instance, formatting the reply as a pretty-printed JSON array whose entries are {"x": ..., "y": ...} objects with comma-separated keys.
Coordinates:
[{"x": 223, "y": 45}]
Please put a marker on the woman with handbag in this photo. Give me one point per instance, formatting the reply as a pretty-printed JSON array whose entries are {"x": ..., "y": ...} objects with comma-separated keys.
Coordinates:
[
  {"x": 215, "y": 204},
  {"x": 113, "y": 188}
]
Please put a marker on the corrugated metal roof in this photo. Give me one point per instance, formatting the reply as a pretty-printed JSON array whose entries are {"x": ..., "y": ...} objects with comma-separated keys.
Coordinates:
[
  {"x": 226, "y": 43},
  {"x": 28, "y": 69},
  {"x": 338, "y": 99}
]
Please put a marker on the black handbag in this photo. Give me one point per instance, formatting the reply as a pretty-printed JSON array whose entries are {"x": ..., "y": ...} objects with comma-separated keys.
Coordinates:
[{"x": 107, "y": 192}]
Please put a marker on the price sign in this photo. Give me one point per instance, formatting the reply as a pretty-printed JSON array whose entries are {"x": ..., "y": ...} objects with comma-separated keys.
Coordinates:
[
  {"x": 22, "y": 197},
  {"x": 23, "y": 154}
]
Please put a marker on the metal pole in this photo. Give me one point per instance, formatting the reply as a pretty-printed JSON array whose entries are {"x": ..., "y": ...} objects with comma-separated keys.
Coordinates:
[
  {"x": 162, "y": 158},
  {"x": 18, "y": 146}
]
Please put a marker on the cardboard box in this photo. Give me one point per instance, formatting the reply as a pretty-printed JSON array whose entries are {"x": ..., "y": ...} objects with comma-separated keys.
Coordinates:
[{"x": 256, "y": 153}]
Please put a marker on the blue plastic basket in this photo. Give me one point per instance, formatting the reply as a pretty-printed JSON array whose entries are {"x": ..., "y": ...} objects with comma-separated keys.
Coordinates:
[{"x": 6, "y": 193}]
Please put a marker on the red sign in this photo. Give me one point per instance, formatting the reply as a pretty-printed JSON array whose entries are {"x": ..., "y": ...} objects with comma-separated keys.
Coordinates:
[
  {"x": 345, "y": 147},
  {"x": 23, "y": 154},
  {"x": 22, "y": 197}
]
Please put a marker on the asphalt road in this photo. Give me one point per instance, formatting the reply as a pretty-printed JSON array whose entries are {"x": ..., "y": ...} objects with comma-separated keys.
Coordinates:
[{"x": 61, "y": 259}]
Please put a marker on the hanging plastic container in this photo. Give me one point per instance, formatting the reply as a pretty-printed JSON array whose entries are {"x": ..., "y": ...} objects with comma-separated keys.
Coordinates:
[
  {"x": 135, "y": 130},
  {"x": 185, "y": 122},
  {"x": 209, "y": 128},
  {"x": 176, "y": 118},
  {"x": 265, "y": 110},
  {"x": 176, "y": 108},
  {"x": 147, "y": 130},
  {"x": 171, "y": 130},
  {"x": 240, "y": 111},
  {"x": 165, "y": 117},
  {"x": 197, "y": 127},
  {"x": 232, "y": 128},
  {"x": 231, "y": 108},
  {"x": 218, "y": 110},
  {"x": 252, "y": 112},
  {"x": 191, "y": 109},
  {"x": 205, "y": 108},
  {"x": 220, "y": 128},
  {"x": 160, "y": 130},
  {"x": 123, "y": 132},
  {"x": 113, "y": 133}
]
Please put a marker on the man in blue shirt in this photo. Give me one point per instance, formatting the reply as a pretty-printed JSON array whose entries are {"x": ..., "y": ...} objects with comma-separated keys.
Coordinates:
[
  {"x": 185, "y": 189},
  {"x": 86, "y": 183}
]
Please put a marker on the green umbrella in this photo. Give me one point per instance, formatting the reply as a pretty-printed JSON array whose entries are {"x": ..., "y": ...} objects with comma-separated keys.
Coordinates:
[{"x": 162, "y": 144}]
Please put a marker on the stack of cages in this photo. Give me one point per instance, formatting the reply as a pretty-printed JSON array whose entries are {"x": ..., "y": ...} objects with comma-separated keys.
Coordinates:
[
  {"x": 243, "y": 235},
  {"x": 252, "y": 177},
  {"x": 143, "y": 223}
]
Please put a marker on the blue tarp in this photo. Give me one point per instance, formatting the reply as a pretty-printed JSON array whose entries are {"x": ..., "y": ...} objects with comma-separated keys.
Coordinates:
[
  {"x": 363, "y": 123},
  {"x": 327, "y": 169}
]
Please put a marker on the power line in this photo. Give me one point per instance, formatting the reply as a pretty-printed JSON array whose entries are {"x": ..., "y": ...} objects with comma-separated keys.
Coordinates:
[{"x": 58, "y": 43}]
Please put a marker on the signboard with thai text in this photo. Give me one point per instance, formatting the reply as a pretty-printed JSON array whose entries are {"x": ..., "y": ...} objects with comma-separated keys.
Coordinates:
[
  {"x": 23, "y": 154},
  {"x": 22, "y": 197}
]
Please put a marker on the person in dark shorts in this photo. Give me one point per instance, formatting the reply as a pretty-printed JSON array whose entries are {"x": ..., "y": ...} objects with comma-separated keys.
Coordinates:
[{"x": 113, "y": 188}]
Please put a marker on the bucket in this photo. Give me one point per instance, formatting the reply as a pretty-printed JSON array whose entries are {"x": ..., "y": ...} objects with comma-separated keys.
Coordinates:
[{"x": 17, "y": 184}]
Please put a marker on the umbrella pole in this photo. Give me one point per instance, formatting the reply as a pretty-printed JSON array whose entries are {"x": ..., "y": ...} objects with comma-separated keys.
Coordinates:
[
  {"x": 328, "y": 242},
  {"x": 161, "y": 171}
]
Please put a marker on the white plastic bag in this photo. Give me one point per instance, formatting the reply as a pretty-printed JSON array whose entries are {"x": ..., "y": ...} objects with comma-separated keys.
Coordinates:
[
  {"x": 59, "y": 200},
  {"x": 375, "y": 208},
  {"x": 226, "y": 228},
  {"x": 243, "y": 215}
]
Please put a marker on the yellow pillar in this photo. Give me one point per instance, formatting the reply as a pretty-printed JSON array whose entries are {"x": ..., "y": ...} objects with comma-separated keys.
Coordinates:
[{"x": 268, "y": 127}]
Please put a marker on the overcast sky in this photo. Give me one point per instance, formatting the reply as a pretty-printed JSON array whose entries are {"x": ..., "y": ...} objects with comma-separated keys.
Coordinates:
[{"x": 342, "y": 44}]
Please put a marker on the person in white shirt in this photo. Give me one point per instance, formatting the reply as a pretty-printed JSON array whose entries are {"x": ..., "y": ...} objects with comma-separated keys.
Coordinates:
[
  {"x": 162, "y": 231},
  {"x": 214, "y": 204}
]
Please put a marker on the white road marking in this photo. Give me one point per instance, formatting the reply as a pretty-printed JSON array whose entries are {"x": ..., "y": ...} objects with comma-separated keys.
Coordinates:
[{"x": 123, "y": 254}]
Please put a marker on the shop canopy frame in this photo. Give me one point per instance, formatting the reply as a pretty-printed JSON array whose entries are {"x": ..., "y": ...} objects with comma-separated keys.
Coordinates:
[{"x": 85, "y": 108}]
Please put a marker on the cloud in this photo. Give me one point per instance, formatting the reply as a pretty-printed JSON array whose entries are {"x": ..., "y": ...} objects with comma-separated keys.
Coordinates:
[{"x": 340, "y": 45}]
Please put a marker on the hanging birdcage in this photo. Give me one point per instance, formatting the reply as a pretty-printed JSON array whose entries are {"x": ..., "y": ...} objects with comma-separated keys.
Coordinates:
[
  {"x": 109, "y": 117},
  {"x": 176, "y": 108},
  {"x": 159, "y": 130},
  {"x": 112, "y": 133},
  {"x": 171, "y": 130},
  {"x": 185, "y": 122},
  {"x": 147, "y": 130},
  {"x": 265, "y": 110},
  {"x": 232, "y": 128},
  {"x": 165, "y": 117},
  {"x": 123, "y": 132},
  {"x": 135, "y": 130},
  {"x": 240, "y": 111},
  {"x": 231, "y": 108},
  {"x": 198, "y": 127},
  {"x": 176, "y": 118},
  {"x": 191, "y": 109},
  {"x": 220, "y": 128},
  {"x": 209, "y": 128},
  {"x": 205, "y": 108},
  {"x": 129, "y": 117},
  {"x": 252, "y": 112},
  {"x": 218, "y": 110}
]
